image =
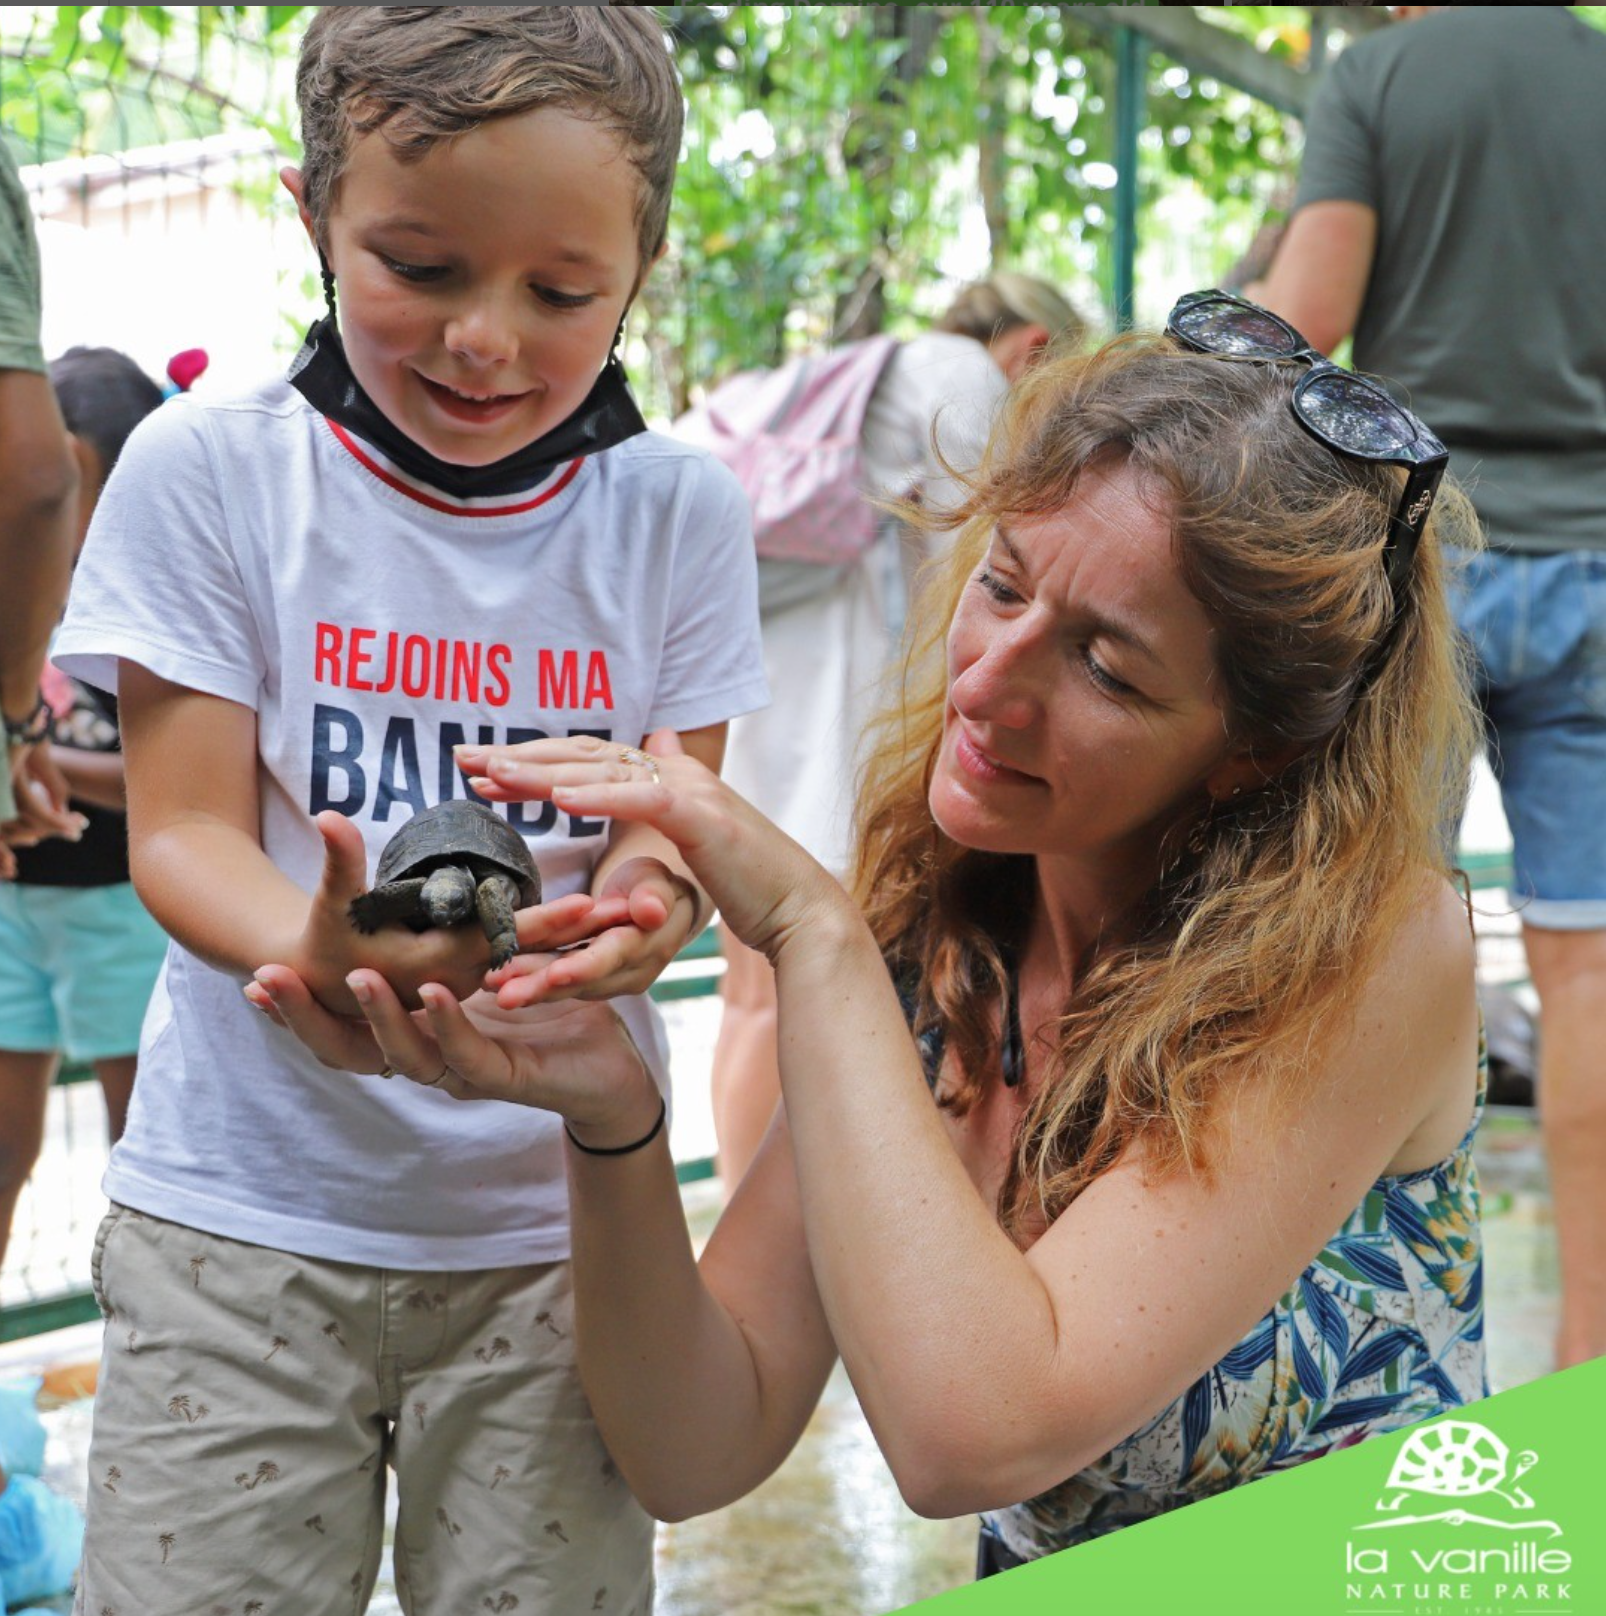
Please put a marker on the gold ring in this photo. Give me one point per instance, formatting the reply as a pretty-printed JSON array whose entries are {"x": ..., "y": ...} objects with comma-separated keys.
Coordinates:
[
  {"x": 435, "y": 1083},
  {"x": 635, "y": 755},
  {"x": 387, "y": 1070}
]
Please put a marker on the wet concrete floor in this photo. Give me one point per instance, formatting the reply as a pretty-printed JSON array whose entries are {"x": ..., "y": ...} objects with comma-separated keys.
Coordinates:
[{"x": 828, "y": 1535}]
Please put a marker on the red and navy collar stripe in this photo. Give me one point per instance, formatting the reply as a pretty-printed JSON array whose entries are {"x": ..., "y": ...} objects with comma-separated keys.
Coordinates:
[{"x": 433, "y": 501}]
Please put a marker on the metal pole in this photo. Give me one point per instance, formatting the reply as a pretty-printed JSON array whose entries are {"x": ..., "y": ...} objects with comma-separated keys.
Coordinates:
[{"x": 1131, "y": 63}]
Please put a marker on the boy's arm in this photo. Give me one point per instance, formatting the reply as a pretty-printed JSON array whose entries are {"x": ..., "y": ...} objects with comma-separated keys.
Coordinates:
[
  {"x": 648, "y": 907},
  {"x": 193, "y": 818},
  {"x": 196, "y": 856}
]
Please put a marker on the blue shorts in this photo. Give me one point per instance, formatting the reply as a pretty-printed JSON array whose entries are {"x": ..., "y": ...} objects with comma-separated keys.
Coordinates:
[
  {"x": 77, "y": 965},
  {"x": 1538, "y": 626}
]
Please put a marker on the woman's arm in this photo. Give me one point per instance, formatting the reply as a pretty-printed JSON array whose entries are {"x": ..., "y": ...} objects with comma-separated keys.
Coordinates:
[
  {"x": 702, "y": 1377},
  {"x": 989, "y": 1374}
]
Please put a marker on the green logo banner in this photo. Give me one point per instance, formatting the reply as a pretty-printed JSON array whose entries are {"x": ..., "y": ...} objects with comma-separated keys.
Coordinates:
[{"x": 1494, "y": 1510}]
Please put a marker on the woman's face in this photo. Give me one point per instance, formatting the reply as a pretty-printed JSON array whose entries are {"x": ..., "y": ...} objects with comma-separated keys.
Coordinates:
[{"x": 1083, "y": 716}]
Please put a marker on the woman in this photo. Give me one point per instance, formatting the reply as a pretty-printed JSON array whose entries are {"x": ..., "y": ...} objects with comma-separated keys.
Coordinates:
[{"x": 1154, "y": 855}]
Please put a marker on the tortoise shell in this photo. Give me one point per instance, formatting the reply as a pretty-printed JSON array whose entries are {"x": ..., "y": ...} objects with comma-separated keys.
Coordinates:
[
  {"x": 451, "y": 832},
  {"x": 1453, "y": 1459}
]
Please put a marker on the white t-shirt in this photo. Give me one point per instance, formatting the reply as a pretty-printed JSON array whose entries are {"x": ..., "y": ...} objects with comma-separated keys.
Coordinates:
[
  {"x": 250, "y": 551},
  {"x": 936, "y": 379}
]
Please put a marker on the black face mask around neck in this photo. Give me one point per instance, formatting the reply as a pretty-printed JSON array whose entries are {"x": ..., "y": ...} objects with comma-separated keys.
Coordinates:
[{"x": 322, "y": 375}]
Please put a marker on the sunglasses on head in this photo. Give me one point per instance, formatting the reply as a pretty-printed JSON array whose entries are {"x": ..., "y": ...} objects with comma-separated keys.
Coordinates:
[{"x": 1351, "y": 415}]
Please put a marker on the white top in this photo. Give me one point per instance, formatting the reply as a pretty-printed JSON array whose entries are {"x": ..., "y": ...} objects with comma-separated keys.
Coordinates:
[
  {"x": 250, "y": 551},
  {"x": 936, "y": 379}
]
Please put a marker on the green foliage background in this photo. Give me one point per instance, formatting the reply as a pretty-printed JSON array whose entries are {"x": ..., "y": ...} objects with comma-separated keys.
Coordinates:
[{"x": 834, "y": 159}]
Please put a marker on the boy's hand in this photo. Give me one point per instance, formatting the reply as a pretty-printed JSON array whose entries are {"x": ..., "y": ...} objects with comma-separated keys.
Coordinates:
[
  {"x": 330, "y": 948},
  {"x": 643, "y": 915}
]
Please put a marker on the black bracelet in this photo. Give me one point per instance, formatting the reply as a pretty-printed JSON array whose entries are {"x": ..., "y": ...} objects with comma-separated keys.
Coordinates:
[
  {"x": 31, "y": 730},
  {"x": 623, "y": 1150}
]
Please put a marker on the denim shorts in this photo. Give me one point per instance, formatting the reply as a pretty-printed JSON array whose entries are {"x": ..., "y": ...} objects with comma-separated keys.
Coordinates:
[
  {"x": 1537, "y": 624},
  {"x": 77, "y": 965}
]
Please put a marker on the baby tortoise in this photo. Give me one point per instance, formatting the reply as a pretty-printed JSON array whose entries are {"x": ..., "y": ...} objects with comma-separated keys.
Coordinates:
[{"x": 447, "y": 863}]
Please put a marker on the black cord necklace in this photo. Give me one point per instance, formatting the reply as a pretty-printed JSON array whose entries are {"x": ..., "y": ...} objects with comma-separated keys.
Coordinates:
[{"x": 1012, "y": 1054}]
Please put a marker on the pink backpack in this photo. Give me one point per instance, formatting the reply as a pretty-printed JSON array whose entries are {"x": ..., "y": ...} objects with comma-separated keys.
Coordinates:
[{"x": 791, "y": 436}]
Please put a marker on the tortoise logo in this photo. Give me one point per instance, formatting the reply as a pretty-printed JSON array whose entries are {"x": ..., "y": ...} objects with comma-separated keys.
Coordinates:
[{"x": 1460, "y": 1460}]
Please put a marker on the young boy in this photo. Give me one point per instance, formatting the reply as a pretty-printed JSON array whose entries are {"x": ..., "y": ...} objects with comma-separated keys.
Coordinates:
[{"x": 447, "y": 525}]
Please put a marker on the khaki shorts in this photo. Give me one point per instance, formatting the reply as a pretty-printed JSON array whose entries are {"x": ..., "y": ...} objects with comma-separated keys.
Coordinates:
[{"x": 250, "y": 1401}]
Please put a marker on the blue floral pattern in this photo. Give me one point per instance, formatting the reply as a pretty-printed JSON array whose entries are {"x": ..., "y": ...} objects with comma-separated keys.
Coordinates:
[{"x": 1384, "y": 1328}]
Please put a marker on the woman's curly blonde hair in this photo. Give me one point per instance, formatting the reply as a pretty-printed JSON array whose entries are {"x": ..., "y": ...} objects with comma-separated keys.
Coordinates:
[{"x": 1270, "y": 910}]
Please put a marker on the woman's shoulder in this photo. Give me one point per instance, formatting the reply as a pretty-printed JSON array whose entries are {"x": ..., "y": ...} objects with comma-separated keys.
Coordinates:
[
  {"x": 1390, "y": 1068},
  {"x": 1428, "y": 975},
  {"x": 1429, "y": 961}
]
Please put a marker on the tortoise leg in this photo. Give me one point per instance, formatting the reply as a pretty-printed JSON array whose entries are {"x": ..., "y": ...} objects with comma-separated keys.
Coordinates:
[
  {"x": 494, "y": 899},
  {"x": 448, "y": 895},
  {"x": 392, "y": 904}
]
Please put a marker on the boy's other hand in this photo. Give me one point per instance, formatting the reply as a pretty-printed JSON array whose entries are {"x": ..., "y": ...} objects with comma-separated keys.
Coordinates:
[
  {"x": 642, "y": 917},
  {"x": 331, "y": 948}
]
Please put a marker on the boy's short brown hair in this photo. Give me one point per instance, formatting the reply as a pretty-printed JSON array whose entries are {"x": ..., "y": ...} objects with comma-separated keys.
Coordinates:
[{"x": 424, "y": 74}]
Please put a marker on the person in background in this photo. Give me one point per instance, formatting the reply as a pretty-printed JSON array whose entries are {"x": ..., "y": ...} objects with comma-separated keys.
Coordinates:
[
  {"x": 38, "y": 483},
  {"x": 78, "y": 952},
  {"x": 1126, "y": 1152},
  {"x": 1450, "y": 216},
  {"x": 829, "y": 634}
]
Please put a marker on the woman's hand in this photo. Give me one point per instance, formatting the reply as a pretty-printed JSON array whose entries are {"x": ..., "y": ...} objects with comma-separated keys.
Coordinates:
[
  {"x": 764, "y": 885},
  {"x": 576, "y": 1059}
]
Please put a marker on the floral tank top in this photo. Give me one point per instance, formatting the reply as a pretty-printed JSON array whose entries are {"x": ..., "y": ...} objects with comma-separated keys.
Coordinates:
[{"x": 1383, "y": 1328}]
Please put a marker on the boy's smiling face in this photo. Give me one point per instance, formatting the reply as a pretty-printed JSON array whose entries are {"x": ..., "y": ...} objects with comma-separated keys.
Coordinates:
[{"x": 479, "y": 287}]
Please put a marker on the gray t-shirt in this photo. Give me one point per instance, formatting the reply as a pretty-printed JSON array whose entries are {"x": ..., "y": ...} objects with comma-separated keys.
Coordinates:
[
  {"x": 19, "y": 329},
  {"x": 19, "y": 275},
  {"x": 1478, "y": 136}
]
